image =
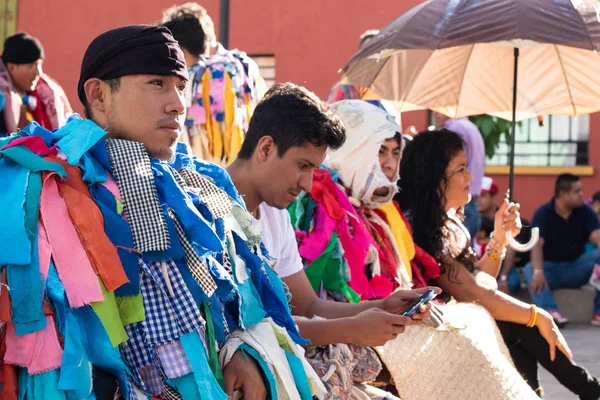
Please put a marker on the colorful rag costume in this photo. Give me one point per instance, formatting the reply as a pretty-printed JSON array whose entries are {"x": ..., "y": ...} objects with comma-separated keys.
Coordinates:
[
  {"x": 52, "y": 108},
  {"x": 357, "y": 245},
  {"x": 224, "y": 89},
  {"x": 143, "y": 270}
]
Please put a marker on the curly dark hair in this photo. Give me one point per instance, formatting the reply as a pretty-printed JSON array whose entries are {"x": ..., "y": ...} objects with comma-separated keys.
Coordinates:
[
  {"x": 293, "y": 116},
  {"x": 422, "y": 182}
]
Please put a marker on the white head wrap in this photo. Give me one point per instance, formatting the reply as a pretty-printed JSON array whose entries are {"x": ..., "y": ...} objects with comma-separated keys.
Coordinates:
[{"x": 357, "y": 161}]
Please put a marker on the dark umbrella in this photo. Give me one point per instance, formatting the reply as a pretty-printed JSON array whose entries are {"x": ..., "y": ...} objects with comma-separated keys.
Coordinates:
[{"x": 465, "y": 57}]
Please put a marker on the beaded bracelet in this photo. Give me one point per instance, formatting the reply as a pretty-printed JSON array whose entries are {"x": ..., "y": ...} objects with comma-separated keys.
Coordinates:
[{"x": 495, "y": 250}]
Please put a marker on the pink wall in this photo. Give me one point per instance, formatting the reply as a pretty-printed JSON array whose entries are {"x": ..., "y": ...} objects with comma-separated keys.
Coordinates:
[{"x": 311, "y": 40}]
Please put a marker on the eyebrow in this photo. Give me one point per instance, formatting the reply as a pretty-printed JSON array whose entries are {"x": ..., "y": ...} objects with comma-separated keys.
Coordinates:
[
  {"x": 396, "y": 147},
  {"x": 310, "y": 163}
]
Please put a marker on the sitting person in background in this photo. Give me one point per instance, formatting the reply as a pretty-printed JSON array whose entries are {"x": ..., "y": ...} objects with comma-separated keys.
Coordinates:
[
  {"x": 487, "y": 199},
  {"x": 559, "y": 259},
  {"x": 434, "y": 188},
  {"x": 509, "y": 278},
  {"x": 483, "y": 235},
  {"x": 26, "y": 93}
]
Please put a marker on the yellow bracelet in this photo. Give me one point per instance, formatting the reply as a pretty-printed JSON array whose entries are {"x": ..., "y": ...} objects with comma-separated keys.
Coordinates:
[{"x": 533, "y": 318}]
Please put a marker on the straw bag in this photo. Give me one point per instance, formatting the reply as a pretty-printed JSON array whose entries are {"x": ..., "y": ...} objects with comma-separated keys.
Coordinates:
[{"x": 464, "y": 359}]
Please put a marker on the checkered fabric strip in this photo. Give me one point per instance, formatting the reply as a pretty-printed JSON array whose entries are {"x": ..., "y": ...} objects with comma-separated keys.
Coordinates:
[
  {"x": 167, "y": 318},
  {"x": 135, "y": 351},
  {"x": 131, "y": 167},
  {"x": 227, "y": 262},
  {"x": 170, "y": 394},
  {"x": 173, "y": 359},
  {"x": 197, "y": 267},
  {"x": 178, "y": 178},
  {"x": 217, "y": 200},
  {"x": 152, "y": 379}
]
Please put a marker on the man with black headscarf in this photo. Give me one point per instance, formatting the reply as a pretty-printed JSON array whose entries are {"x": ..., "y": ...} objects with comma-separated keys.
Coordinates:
[
  {"x": 28, "y": 94},
  {"x": 146, "y": 253}
]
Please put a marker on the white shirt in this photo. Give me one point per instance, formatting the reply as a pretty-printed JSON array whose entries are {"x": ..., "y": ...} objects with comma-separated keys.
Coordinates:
[{"x": 280, "y": 240}]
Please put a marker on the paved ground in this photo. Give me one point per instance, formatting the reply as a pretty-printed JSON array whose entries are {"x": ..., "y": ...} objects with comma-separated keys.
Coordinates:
[{"x": 584, "y": 341}]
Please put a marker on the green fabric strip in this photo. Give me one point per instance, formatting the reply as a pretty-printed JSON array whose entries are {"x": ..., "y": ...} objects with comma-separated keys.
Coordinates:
[
  {"x": 213, "y": 358},
  {"x": 108, "y": 313}
]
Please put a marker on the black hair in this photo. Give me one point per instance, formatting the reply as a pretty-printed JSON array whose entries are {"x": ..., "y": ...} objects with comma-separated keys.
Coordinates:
[
  {"x": 563, "y": 183},
  {"x": 422, "y": 183},
  {"x": 114, "y": 84},
  {"x": 487, "y": 225},
  {"x": 596, "y": 197},
  {"x": 191, "y": 26},
  {"x": 293, "y": 116}
]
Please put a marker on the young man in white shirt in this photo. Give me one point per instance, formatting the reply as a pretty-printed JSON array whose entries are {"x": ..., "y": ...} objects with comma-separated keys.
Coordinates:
[{"x": 288, "y": 136}]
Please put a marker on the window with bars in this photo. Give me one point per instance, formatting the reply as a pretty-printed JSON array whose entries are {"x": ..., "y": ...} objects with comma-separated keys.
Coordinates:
[
  {"x": 561, "y": 141},
  {"x": 266, "y": 65}
]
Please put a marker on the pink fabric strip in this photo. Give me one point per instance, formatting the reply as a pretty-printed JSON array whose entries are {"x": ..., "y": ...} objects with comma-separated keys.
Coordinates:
[
  {"x": 72, "y": 263},
  {"x": 38, "y": 351}
]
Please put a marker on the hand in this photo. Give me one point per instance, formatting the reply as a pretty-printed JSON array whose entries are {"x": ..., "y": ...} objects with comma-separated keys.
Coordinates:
[
  {"x": 400, "y": 299},
  {"x": 242, "y": 374},
  {"x": 552, "y": 334},
  {"x": 538, "y": 281},
  {"x": 374, "y": 327},
  {"x": 503, "y": 286},
  {"x": 507, "y": 219}
]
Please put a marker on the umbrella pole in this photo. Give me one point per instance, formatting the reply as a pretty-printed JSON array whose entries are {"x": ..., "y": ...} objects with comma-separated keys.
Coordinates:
[
  {"x": 511, "y": 176},
  {"x": 535, "y": 232}
]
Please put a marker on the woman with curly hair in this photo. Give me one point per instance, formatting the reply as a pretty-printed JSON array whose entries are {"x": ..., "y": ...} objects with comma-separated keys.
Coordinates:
[{"x": 434, "y": 188}]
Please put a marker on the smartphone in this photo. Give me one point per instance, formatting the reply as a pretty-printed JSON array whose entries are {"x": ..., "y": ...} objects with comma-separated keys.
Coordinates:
[{"x": 415, "y": 305}]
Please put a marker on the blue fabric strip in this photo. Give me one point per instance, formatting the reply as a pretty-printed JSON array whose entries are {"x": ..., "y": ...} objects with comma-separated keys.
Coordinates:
[
  {"x": 299, "y": 375},
  {"x": 15, "y": 247},
  {"x": 119, "y": 233},
  {"x": 270, "y": 290},
  {"x": 40, "y": 386},
  {"x": 25, "y": 281},
  {"x": 206, "y": 382},
  {"x": 77, "y": 137}
]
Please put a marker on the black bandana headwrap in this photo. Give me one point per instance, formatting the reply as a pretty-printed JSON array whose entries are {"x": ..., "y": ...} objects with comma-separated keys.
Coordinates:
[{"x": 131, "y": 50}]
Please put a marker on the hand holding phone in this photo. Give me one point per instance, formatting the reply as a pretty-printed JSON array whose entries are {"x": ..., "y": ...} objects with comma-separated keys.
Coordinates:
[{"x": 414, "y": 307}]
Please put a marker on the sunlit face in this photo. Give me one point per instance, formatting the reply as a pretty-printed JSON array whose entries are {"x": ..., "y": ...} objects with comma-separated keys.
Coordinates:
[
  {"x": 146, "y": 108},
  {"x": 282, "y": 178},
  {"x": 25, "y": 76},
  {"x": 389, "y": 158},
  {"x": 456, "y": 193}
]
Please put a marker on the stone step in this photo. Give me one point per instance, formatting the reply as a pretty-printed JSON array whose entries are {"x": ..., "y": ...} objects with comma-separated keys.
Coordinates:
[{"x": 575, "y": 304}]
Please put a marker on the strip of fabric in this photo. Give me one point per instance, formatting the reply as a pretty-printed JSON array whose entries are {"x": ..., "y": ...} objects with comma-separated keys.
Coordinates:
[
  {"x": 197, "y": 267},
  {"x": 131, "y": 167},
  {"x": 217, "y": 200}
]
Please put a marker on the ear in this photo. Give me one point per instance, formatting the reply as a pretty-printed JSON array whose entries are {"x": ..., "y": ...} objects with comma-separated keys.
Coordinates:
[
  {"x": 94, "y": 93},
  {"x": 265, "y": 148},
  {"x": 11, "y": 67}
]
